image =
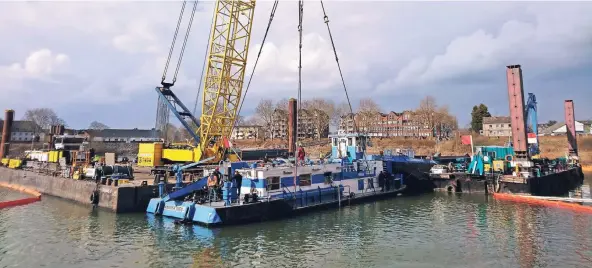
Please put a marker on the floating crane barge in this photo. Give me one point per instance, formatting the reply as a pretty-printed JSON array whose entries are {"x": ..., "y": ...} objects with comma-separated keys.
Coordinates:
[
  {"x": 518, "y": 168},
  {"x": 276, "y": 191}
]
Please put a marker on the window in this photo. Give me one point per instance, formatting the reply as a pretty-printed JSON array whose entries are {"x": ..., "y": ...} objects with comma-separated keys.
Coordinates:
[
  {"x": 349, "y": 141},
  {"x": 273, "y": 183},
  {"x": 490, "y": 126},
  {"x": 305, "y": 180}
]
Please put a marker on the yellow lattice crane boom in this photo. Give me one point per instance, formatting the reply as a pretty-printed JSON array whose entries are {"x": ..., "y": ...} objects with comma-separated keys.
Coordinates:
[
  {"x": 225, "y": 72},
  {"x": 222, "y": 88}
]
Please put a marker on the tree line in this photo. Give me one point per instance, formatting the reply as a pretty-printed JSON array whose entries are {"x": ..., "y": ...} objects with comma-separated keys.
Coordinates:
[{"x": 429, "y": 112}]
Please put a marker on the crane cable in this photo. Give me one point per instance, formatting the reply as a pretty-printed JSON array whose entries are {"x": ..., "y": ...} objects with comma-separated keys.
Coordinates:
[
  {"x": 273, "y": 9},
  {"x": 326, "y": 19},
  {"x": 300, "y": 17},
  {"x": 166, "y": 66},
  {"x": 185, "y": 41},
  {"x": 203, "y": 67}
]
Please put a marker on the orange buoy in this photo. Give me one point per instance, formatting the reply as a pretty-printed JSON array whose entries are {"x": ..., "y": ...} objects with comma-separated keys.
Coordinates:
[
  {"x": 542, "y": 202},
  {"x": 19, "y": 202}
]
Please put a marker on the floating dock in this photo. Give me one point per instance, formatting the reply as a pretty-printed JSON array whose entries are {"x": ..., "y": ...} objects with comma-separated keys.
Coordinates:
[{"x": 123, "y": 198}]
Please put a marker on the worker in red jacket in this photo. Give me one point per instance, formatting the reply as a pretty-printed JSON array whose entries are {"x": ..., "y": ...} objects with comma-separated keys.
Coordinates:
[{"x": 301, "y": 154}]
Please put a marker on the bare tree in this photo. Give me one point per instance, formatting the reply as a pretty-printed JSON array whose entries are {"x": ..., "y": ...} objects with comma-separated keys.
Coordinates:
[
  {"x": 436, "y": 118},
  {"x": 322, "y": 111},
  {"x": 43, "y": 118},
  {"x": 264, "y": 112},
  {"x": 97, "y": 125},
  {"x": 252, "y": 121},
  {"x": 368, "y": 105},
  {"x": 367, "y": 109},
  {"x": 425, "y": 114},
  {"x": 342, "y": 109},
  {"x": 240, "y": 120}
]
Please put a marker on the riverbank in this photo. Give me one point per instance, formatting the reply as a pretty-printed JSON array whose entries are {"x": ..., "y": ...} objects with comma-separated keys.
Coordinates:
[{"x": 551, "y": 146}]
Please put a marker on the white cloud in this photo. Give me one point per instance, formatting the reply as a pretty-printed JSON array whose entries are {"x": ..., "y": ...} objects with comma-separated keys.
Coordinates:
[
  {"x": 115, "y": 50},
  {"x": 548, "y": 43},
  {"x": 40, "y": 64}
]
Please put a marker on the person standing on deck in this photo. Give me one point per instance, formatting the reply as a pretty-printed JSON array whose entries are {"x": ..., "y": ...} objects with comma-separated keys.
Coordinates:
[
  {"x": 301, "y": 154},
  {"x": 212, "y": 185},
  {"x": 237, "y": 180},
  {"x": 381, "y": 180},
  {"x": 387, "y": 181}
]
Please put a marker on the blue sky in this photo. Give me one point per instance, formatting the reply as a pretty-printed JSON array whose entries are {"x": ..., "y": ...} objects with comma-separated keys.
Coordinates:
[{"x": 101, "y": 60}]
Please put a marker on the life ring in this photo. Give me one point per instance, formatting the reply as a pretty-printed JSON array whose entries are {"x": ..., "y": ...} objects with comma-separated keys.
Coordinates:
[{"x": 509, "y": 157}]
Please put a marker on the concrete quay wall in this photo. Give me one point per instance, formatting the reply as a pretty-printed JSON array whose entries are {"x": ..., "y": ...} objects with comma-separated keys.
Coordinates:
[{"x": 117, "y": 199}]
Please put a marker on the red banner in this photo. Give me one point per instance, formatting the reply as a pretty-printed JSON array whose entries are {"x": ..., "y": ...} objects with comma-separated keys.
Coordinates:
[{"x": 466, "y": 139}]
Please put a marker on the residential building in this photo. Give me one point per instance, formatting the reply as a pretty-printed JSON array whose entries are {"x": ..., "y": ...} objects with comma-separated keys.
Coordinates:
[
  {"x": 390, "y": 124},
  {"x": 312, "y": 124},
  {"x": 247, "y": 132},
  {"x": 122, "y": 135},
  {"x": 24, "y": 131},
  {"x": 496, "y": 126},
  {"x": 559, "y": 128},
  {"x": 279, "y": 125}
]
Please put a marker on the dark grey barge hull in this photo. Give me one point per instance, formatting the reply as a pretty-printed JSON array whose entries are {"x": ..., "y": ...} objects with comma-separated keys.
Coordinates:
[
  {"x": 555, "y": 184},
  {"x": 285, "y": 208}
]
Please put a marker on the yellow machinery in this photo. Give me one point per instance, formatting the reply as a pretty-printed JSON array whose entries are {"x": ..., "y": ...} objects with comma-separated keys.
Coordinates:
[{"x": 222, "y": 88}]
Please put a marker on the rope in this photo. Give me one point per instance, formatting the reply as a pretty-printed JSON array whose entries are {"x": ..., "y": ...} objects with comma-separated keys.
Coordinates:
[
  {"x": 300, "y": 16},
  {"x": 166, "y": 66},
  {"x": 203, "y": 67},
  {"x": 326, "y": 19},
  {"x": 273, "y": 9},
  {"x": 185, "y": 41}
]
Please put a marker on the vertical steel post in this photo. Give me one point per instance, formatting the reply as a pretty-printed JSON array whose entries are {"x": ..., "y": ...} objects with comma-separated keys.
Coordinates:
[
  {"x": 6, "y": 131},
  {"x": 292, "y": 113},
  {"x": 516, "y": 98},
  {"x": 570, "y": 125}
]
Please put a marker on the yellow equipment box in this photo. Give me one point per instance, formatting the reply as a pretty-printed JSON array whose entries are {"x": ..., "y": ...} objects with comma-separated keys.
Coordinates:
[
  {"x": 178, "y": 155},
  {"x": 150, "y": 154},
  {"x": 498, "y": 165},
  {"x": 15, "y": 163}
]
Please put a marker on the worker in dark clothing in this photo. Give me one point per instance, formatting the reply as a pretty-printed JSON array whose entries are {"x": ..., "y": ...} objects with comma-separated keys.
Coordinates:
[
  {"x": 387, "y": 181},
  {"x": 237, "y": 180},
  {"x": 218, "y": 175},
  {"x": 381, "y": 181}
]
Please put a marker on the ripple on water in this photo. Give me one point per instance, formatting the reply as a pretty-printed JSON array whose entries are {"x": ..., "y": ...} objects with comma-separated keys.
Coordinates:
[{"x": 439, "y": 230}]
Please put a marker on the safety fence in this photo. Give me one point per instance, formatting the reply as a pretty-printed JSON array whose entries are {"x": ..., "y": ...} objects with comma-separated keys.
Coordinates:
[{"x": 19, "y": 202}]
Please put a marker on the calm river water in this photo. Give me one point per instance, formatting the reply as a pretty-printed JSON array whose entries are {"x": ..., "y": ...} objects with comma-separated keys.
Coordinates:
[{"x": 436, "y": 230}]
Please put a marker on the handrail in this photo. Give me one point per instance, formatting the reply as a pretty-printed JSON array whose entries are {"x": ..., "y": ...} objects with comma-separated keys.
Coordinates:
[{"x": 284, "y": 187}]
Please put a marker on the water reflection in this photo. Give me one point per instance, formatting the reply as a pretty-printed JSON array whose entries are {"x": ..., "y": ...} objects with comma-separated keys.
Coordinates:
[{"x": 442, "y": 230}]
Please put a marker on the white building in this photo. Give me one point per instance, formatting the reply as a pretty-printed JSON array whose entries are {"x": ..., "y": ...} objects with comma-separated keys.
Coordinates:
[
  {"x": 560, "y": 129},
  {"x": 247, "y": 132},
  {"x": 123, "y": 135},
  {"x": 23, "y": 131}
]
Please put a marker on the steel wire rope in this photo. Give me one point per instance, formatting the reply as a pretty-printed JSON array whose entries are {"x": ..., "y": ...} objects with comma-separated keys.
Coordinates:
[
  {"x": 203, "y": 67},
  {"x": 185, "y": 41},
  {"x": 326, "y": 19},
  {"x": 166, "y": 66},
  {"x": 271, "y": 16},
  {"x": 300, "y": 17}
]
